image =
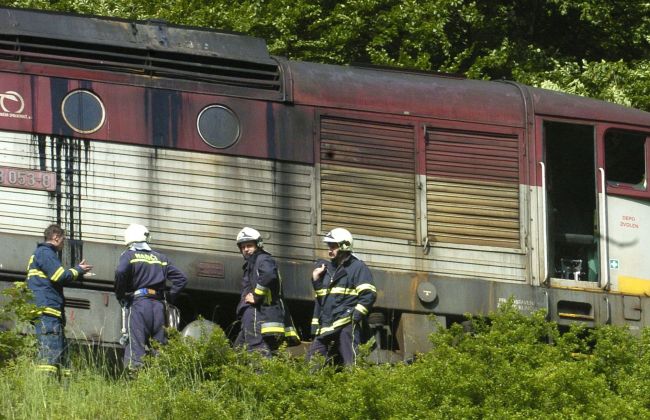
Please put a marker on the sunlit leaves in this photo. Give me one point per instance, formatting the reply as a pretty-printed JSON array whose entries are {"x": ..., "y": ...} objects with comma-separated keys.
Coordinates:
[{"x": 597, "y": 48}]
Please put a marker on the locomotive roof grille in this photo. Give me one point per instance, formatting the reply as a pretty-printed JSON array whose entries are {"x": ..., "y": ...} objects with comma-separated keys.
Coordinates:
[{"x": 149, "y": 62}]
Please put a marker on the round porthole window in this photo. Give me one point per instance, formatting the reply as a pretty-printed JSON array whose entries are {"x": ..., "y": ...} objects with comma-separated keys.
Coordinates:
[
  {"x": 218, "y": 126},
  {"x": 83, "y": 111}
]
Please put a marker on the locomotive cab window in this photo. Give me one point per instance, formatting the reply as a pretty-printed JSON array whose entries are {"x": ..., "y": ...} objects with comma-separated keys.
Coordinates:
[{"x": 625, "y": 160}]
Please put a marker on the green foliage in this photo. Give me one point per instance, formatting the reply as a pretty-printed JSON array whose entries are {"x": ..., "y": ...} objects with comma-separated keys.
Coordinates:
[
  {"x": 508, "y": 366},
  {"x": 515, "y": 366},
  {"x": 15, "y": 315},
  {"x": 597, "y": 48},
  {"x": 626, "y": 83},
  {"x": 193, "y": 360}
]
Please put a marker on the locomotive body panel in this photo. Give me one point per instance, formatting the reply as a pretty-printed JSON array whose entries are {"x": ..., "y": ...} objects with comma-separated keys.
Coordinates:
[{"x": 459, "y": 193}]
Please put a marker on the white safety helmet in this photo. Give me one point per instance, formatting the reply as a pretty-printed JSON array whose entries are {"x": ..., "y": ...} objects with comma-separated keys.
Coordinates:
[
  {"x": 339, "y": 236},
  {"x": 249, "y": 235},
  {"x": 136, "y": 233}
]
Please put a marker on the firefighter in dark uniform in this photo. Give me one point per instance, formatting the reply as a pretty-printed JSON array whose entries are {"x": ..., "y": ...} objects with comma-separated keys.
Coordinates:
[
  {"x": 46, "y": 278},
  {"x": 345, "y": 293},
  {"x": 140, "y": 280},
  {"x": 265, "y": 322}
]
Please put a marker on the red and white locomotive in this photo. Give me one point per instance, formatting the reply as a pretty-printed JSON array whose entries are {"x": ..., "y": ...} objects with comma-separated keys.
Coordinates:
[{"x": 459, "y": 193}]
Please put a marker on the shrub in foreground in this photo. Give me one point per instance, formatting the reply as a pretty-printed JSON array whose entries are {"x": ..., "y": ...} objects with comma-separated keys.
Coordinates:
[{"x": 509, "y": 366}]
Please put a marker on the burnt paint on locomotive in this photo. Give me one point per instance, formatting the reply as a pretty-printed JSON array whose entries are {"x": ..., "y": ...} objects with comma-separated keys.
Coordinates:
[
  {"x": 165, "y": 117},
  {"x": 270, "y": 131},
  {"x": 66, "y": 160},
  {"x": 403, "y": 93},
  {"x": 39, "y": 141},
  {"x": 163, "y": 110},
  {"x": 59, "y": 88}
]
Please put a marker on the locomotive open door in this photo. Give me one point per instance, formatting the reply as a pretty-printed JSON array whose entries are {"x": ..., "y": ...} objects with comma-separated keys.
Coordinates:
[
  {"x": 573, "y": 223},
  {"x": 597, "y": 200}
]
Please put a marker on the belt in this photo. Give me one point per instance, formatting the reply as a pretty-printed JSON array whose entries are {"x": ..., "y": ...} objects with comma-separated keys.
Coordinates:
[{"x": 147, "y": 292}]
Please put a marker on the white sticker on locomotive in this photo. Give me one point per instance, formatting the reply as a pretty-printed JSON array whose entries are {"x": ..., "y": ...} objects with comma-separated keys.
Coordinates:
[{"x": 12, "y": 105}]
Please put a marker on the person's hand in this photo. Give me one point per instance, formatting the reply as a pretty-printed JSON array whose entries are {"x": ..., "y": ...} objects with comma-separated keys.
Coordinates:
[
  {"x": 356, "y": 316},
  {"x": 85, "y": 266},
  {"x": 318, "y": 272},
  {"x": 249, "y": 298}
]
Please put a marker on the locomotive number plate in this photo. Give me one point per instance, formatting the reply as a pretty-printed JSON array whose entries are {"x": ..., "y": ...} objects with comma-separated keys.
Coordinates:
[{"x": 27, "y": 178}]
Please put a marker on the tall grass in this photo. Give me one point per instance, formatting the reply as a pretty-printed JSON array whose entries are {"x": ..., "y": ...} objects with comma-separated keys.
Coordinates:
[{"x": 505, "y": 368}]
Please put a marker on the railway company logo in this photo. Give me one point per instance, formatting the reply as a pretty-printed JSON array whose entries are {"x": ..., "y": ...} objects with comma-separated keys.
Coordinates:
[{"x": 12, "y": 105}]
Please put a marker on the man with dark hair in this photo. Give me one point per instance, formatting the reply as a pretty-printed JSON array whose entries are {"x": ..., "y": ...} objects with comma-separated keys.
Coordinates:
[
  {"x": 140, "y": 280},
  {"x": 46, "y": 278}
]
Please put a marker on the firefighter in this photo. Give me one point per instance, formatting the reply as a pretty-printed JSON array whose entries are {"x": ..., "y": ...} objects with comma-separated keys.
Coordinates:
[
  {"x": 345, "y": 293},
  {"x": 46, "y": 278},
  {"x": 265, "y": 322},
  {"x": 140, "y": 280}
]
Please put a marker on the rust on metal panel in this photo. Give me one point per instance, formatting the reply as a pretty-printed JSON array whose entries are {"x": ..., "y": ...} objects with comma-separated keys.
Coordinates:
[
  {"x": 400, "y": 93},
  {"x": 475, "y": 155},
  {"x": 473, "y": 188},
  {"x": 369, "y": 145},
  {"x": 401, "y": 290},
  {"x": 368, "y": 177},
  {"x": 565, "y": 105},
  {"x": 146, "y": 50},
  {"x": 210, "y": 269}
]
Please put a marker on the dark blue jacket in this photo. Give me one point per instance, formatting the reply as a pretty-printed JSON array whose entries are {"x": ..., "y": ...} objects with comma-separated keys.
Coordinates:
[
  {"x": 262, "y": 279},
  {"x": 344, "y": 294},
  {"x": 144, "y": 269},
  {"x": 46, "y": 278}
]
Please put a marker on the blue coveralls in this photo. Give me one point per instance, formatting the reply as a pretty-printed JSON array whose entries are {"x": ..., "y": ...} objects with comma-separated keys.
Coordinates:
[
  {"x": 344, "y": 296},
  {"x": 140, "y": 283},
  {"x": 46, "y": 278},
  {"x": 266, "y": 323}
]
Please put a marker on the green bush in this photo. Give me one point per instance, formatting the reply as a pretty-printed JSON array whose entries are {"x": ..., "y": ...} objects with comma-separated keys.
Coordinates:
[
  {"x": 508, "y": 366},
  {"x": 16, "y": 314}
]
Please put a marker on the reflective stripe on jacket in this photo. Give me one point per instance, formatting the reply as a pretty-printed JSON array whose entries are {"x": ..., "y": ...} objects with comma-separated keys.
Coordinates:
[
  {"x": 146, "y": 269},
  {"x": 46, "y": 278},
  {"x": 262, "y": 278},
  {"x": 344, "y": 294}
]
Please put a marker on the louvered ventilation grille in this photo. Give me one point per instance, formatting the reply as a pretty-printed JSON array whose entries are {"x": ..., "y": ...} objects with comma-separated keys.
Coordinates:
[
  {"x": 368, "y": 178},
  {"x": 77, "y": 303},
  {"x": 473, "y": 188},
  {"x": 140, "y": 61}
]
